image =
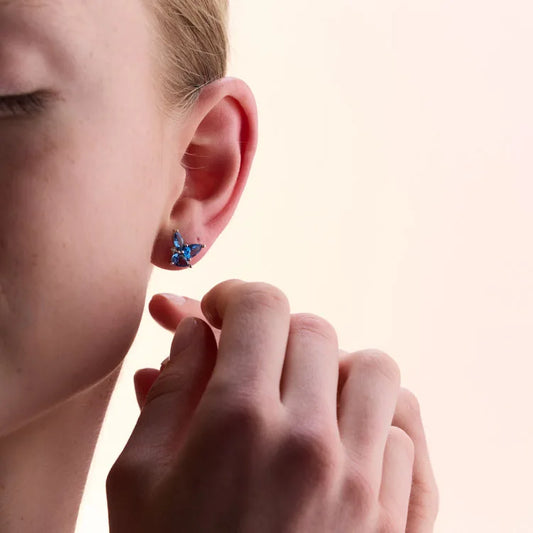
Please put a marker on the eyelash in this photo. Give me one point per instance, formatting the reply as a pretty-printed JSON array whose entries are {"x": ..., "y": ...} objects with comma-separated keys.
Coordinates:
[{"x": 24, "y": 104}]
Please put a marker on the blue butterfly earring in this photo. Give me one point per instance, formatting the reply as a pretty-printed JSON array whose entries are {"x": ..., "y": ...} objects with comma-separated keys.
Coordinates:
[{"x": 182, "y": 252}]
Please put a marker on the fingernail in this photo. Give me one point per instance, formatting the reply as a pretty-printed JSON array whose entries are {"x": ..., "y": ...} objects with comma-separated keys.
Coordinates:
[
  {"x": 184, "y": 335},
  {"x": 178, "y": 300}
]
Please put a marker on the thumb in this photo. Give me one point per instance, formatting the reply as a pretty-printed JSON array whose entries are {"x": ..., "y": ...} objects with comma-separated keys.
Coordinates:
[{"x": 169, "y": 397}]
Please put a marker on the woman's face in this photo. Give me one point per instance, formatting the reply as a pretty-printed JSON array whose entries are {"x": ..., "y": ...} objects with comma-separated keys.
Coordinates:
[{"x": 84, "y": 184}]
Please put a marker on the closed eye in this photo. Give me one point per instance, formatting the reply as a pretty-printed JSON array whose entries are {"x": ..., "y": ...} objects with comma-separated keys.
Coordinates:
[{"x": 22, "y": 104}]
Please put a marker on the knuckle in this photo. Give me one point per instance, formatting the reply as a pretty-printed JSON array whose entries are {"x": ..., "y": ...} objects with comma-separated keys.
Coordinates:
[
  {"x": 410, "y": 403},
  {"x": 357, "y": 490},
  {"x": 260, "y": 294},
  {"x": 238, "y": 413},
  {"x": 314, "y": 324},
  {"x": 112, "y": 480},
  {"x": 126, "y": 472},
  {"x": 310, "y": 451},
  {"x": 166, "y": 384},
  {"x": 378, "y": 361},
  {"x": 398, "y": 438}
]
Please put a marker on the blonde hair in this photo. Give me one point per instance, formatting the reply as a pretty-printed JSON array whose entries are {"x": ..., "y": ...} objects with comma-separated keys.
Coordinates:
[{"x": 190, "y": 48}]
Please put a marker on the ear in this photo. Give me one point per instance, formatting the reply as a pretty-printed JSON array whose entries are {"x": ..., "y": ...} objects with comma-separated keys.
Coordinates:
[{"x": 220, "y": 135}]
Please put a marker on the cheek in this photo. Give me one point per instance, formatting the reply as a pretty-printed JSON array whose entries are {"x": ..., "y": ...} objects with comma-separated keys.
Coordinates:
[{"x": 75, "y": 269}]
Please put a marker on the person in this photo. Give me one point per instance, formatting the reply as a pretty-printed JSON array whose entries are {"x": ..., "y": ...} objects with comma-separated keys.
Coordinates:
[{"x": 117, "y": 126}]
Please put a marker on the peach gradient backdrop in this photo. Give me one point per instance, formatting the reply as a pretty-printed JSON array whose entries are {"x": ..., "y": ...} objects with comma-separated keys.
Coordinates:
[{"x": 391, "y": 194}]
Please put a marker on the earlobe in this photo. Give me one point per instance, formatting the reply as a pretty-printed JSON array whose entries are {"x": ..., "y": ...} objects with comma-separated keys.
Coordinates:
[{"x": 222, "y": 133}]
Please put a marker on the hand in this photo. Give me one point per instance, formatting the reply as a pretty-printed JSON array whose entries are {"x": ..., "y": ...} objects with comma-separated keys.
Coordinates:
[
  {"x": 169, "y": 310},
  {"x": 242, "y": 433}
]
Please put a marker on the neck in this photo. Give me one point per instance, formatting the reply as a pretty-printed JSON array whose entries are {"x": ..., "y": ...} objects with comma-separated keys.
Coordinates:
[{"x": 44, "y": 465}]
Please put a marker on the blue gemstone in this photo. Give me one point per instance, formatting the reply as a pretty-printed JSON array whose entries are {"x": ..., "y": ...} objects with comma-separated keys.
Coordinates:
[
  {"x": 195, "y": 248},
  {"x": 179, "y": 260},
  {"x": 178, "y": 240},
  {"x": 187, "y": 252}
]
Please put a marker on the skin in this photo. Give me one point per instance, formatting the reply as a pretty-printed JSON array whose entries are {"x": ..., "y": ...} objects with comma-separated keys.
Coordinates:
[
  {"x": 255, "y": 404},
  {"x": 169, "y": 310},
  {"x": 91, "y": 187}
]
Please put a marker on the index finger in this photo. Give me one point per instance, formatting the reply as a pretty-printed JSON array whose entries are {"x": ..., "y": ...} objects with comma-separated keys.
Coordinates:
[{"x": 168, "y": 310}]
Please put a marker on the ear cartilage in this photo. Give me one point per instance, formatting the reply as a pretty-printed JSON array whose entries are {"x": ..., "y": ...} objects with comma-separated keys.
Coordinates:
[{"x": 183, "y": 252}]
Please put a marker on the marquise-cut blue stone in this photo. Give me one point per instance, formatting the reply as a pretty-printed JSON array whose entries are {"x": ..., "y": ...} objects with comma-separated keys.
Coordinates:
[
  {"x": 178, "y": 240},
  {"x": 187, "y": 252},
  {"x": 195, "y": 248}
]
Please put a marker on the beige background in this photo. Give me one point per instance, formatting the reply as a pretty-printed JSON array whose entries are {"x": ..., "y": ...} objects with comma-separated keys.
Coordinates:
[{"x": 391, "y": 194}]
